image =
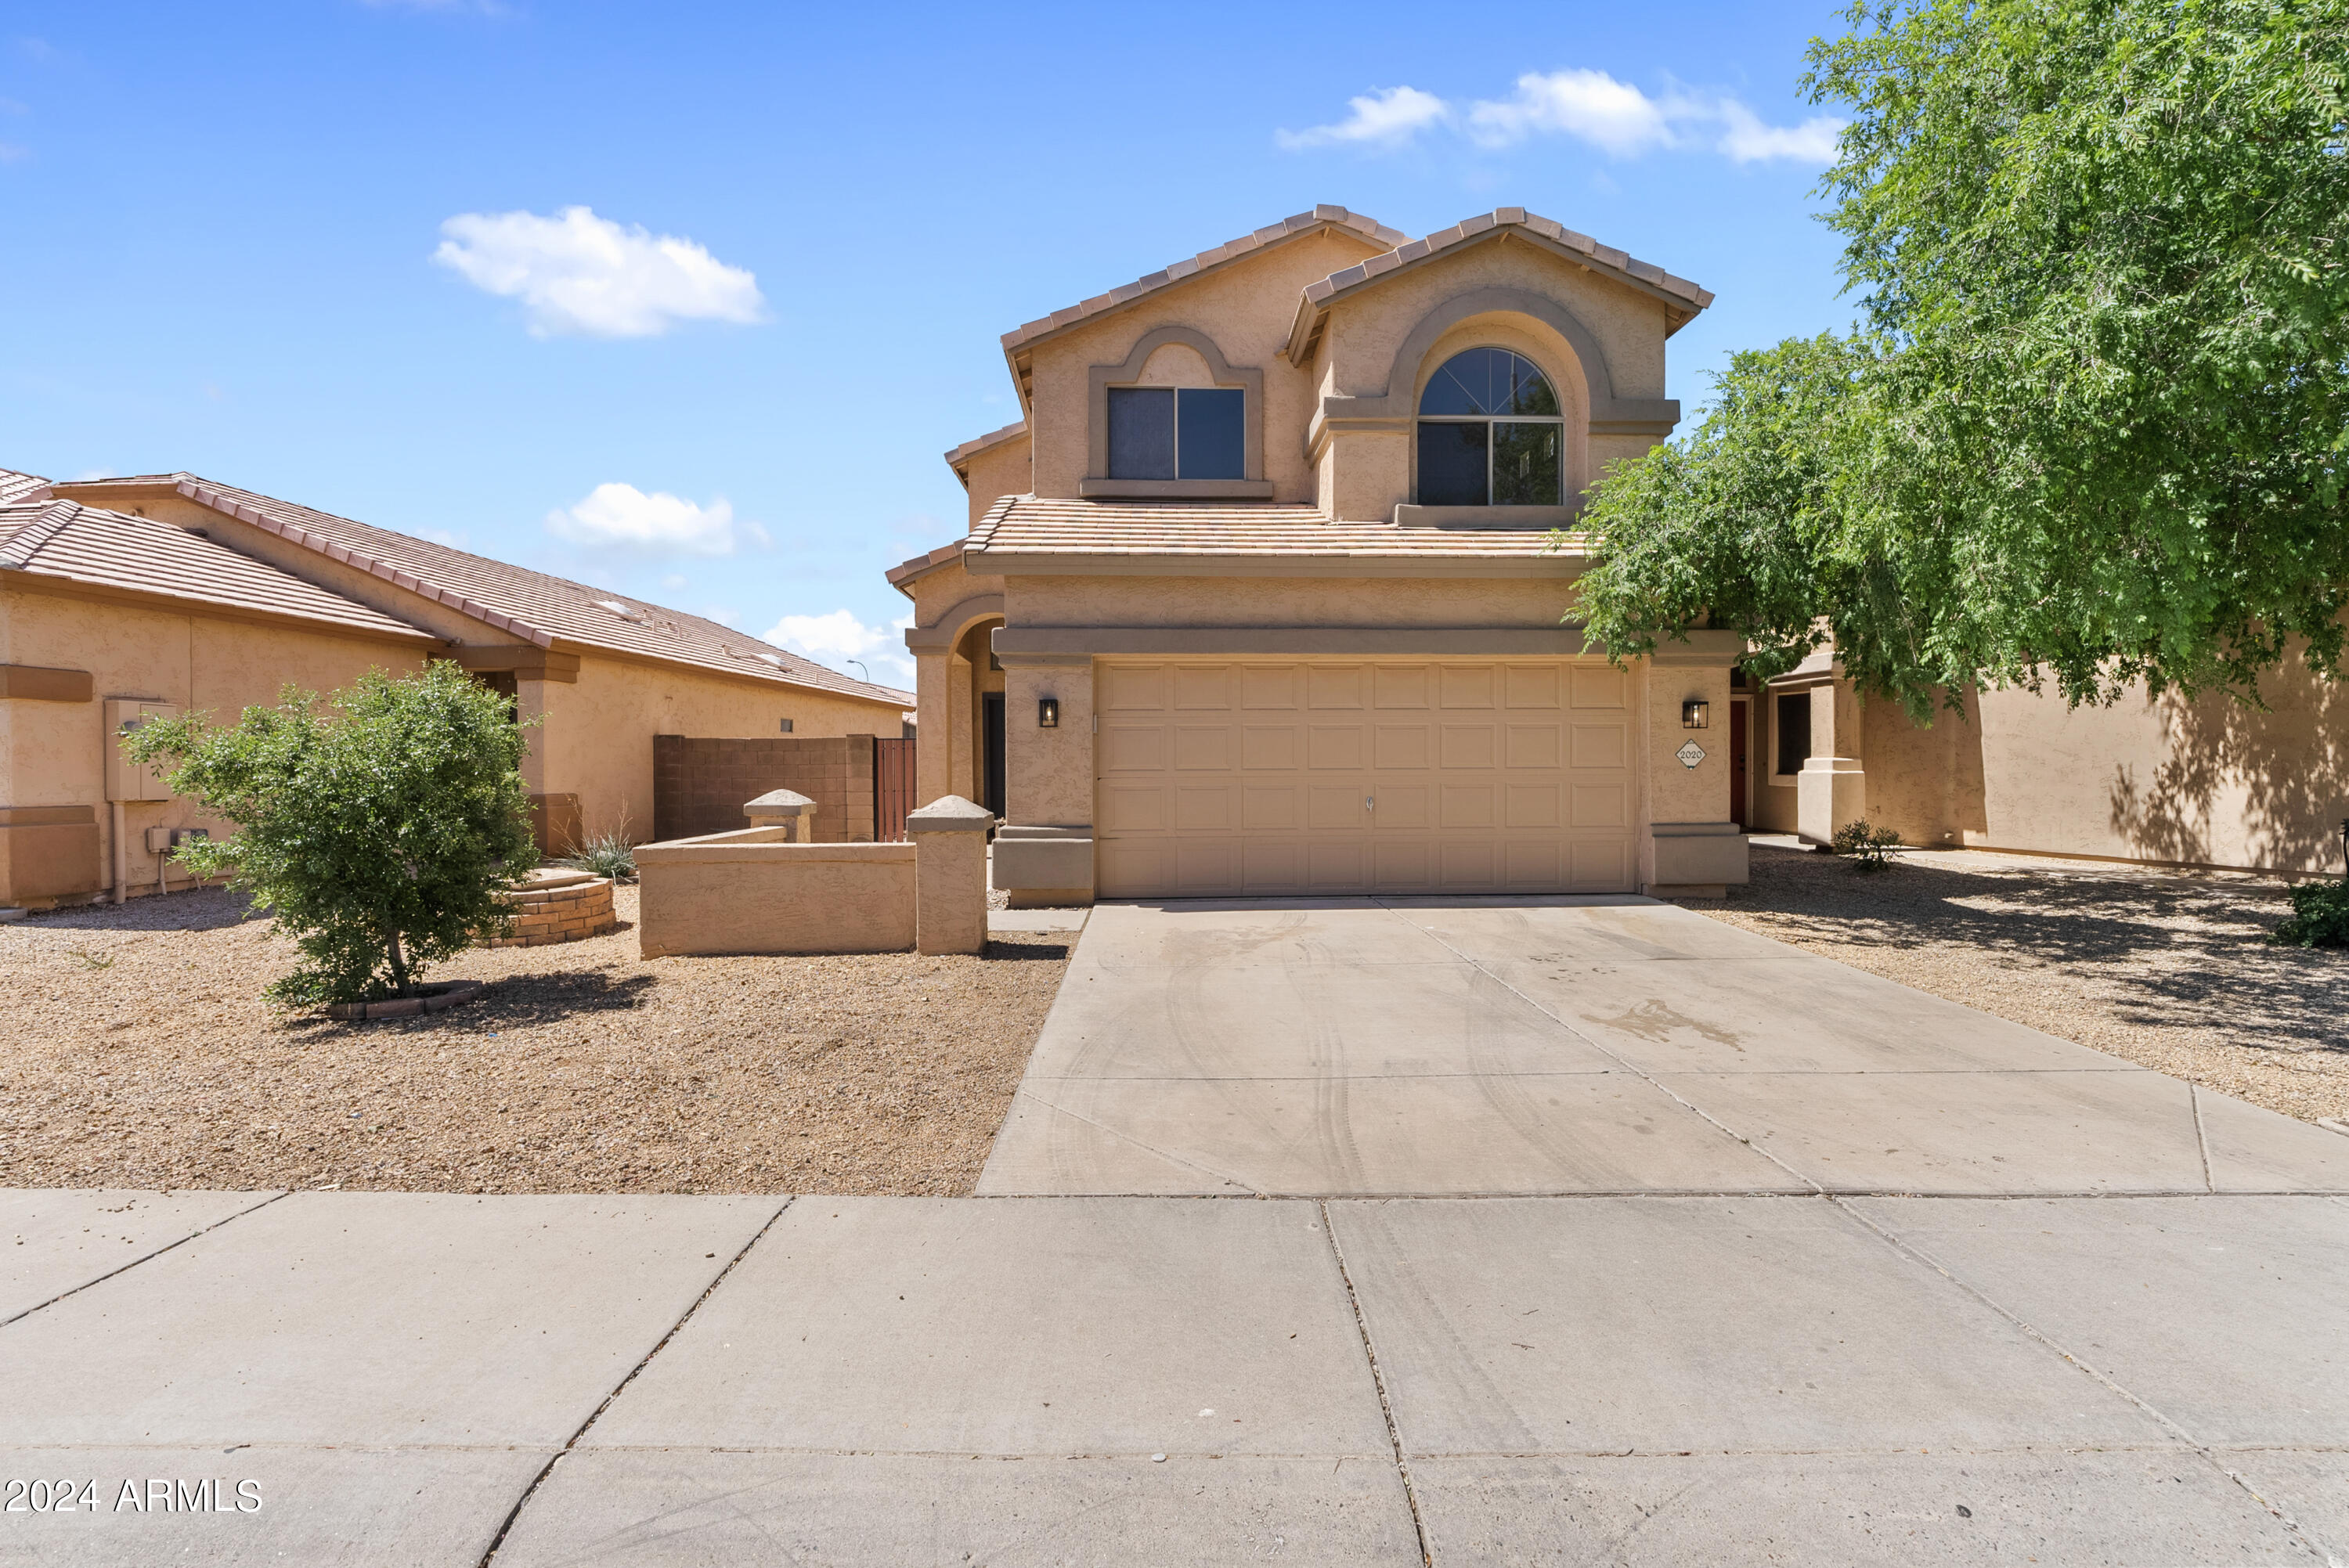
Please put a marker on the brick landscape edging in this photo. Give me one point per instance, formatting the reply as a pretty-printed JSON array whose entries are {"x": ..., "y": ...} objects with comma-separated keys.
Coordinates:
[{"x": 453, "y": 993}]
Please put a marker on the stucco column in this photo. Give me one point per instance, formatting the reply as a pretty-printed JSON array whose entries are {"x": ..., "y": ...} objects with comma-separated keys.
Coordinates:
[
  {"x": 1692, "y": 846},
  {"x": 950, "y": 839},
  {"x": 1832, "y": 788},
  {"x": 1044, "y": 852},
  {"x": 530, "y": 704},
  {"x": 934, "y": 734}
]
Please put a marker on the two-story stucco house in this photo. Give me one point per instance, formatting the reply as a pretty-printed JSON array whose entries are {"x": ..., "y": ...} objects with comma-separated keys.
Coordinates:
[{"x": 1261, "y": 595}]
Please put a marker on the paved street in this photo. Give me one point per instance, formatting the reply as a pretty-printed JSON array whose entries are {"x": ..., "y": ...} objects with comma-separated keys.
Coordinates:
[{"x": 1883, "y": 1282}]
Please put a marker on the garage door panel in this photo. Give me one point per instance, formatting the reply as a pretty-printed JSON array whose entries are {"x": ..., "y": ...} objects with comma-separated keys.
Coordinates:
[
  {"x": 1466, "y": 746},
  {"x": 1467, "y": 686},
  {"x": 1269, "y": 747},
  {"x": 1532, "y": 806},
  {"x": 1273, "y": 777},
  {"x": 1601, "y": 806},
  {"x": 1401, "y": 807},
  {"x": 1272, "y": 807},
  {"x": 1203, "y": 747},
  {"x": 1467, "y": 806},
  {"x": 1401, "y": 745},
  {"x": 1209, "y": 807},
  {"x": 1532, "y": 746},
  {"x": 1132, "y": 688},
  {"x": 1336, "y": 806},
  {"x": 1335, "y": 745},
  {"x": 1333, "y": 686},
  {"x": 1599, "y": 746}
]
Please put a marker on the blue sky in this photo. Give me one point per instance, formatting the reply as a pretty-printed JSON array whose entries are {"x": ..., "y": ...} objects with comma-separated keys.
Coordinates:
[{"x": 805, "y": 229}]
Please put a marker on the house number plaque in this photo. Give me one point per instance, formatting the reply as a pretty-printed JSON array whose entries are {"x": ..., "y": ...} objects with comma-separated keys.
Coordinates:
[{"x": 1690, "y": 754}]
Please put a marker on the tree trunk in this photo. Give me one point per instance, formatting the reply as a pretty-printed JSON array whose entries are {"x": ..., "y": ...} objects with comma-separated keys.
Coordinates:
[{"x": 398, "y": 965}]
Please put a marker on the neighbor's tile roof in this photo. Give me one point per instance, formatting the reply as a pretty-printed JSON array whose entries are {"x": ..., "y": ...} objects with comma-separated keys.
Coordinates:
[
  {"x": 1032, "y": 525},
  {"x": 533, "y": 605},
  {"x": 108, "y": 549},
  {"x": 16, "y": 487},
  {"x": 1230, "y": 251}
]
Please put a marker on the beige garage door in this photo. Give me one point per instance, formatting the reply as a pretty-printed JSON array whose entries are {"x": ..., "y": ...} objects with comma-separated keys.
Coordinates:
[{"x": 1311, "y": 775}]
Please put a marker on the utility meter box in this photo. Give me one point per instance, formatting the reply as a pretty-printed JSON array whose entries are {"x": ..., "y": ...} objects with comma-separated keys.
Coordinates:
[
  {"x": 126, "y": 779},
  {"x": 163, "y": 841}
]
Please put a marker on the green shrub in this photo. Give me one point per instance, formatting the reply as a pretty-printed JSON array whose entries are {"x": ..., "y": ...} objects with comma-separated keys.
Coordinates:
[
  {"x": 379, "y": 830},
  {"x": 1870, "y": 847},
  {"x": 2320, "y": 916},
  {"x": 606, "y": 855}
]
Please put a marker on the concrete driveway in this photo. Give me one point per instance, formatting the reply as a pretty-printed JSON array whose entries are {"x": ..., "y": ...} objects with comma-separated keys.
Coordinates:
[
  {"x": 1587, "y": 1046},
  {"x": 1734, "y": 1326}
]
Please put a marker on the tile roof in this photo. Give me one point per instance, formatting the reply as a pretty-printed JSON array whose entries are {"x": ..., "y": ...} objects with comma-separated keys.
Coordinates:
[
  {"x": 108, "y": 549},
  {"x": 533, "y": 605},
  {"x": 16, "y": 487},
  {"x": 1031, "y": 525},
  {"x": 1601, "y": 258},
  {"x": 1321, "y": 217},
  {"x": 957, "y": 455},
  {"x": 904, "y": 571}
]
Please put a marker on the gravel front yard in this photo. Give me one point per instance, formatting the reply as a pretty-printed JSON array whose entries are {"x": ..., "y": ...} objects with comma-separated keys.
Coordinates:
[
  {"x": 139, "y": 1055},
  {"x": 2167, "y": 969}
]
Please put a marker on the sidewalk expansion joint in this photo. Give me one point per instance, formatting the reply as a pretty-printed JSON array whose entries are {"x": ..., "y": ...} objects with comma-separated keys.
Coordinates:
[
  {"x": 144, "y": 1257},
  {"x": 1378, "y": 1381},
  {"x": 2209, "y": 1453},
  {"x": 514, "y": 1514}
]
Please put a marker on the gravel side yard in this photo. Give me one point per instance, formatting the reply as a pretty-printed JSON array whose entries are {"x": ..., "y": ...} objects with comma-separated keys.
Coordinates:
[
  {"x": 139, "y": 1055},
  {"x": 2169, "y": 969}
]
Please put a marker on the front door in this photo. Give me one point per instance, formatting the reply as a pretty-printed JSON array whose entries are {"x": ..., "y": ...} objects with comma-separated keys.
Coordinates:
[
  {"x": 1737, "y": 711},
  {"x": 992, "y": 766}
]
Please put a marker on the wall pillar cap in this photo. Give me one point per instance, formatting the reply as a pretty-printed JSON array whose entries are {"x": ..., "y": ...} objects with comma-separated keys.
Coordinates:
[
  {"x": 779, "y": 803},
  {"x": 950, "y": 814}
]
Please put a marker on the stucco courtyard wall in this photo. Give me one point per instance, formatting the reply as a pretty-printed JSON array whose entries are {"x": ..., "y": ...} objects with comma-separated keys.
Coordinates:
[
  {"x": 753, "y": 891},
  {"x": 53, "y": 753}
]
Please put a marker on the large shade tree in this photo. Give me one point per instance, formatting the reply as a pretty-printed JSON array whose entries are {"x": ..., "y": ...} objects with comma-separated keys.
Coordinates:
[{"x": 2092, "y": 422}]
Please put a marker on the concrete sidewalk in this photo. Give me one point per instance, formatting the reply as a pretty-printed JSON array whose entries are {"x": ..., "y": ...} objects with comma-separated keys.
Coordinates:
[
  {"x": 1423, "y": 1047},
  {"x": 538, "y": 1381}
]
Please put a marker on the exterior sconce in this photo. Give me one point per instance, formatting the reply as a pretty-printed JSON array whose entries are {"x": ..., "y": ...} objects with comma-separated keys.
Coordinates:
[
  {"x": 1048, "y": 713},
  {"x": 1693, "y": 714}
]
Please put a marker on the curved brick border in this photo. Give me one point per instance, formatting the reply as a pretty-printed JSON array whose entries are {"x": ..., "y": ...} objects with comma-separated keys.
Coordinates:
[{"x": 437, "y": 999}]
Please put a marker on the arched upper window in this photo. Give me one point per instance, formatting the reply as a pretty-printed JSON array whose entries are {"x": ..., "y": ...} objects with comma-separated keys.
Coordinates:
[{"x": 1491, "y": 434}]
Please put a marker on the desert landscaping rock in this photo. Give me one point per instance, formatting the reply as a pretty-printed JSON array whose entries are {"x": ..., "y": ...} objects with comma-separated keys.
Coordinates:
[
  {"x": 2167, "y": 969},
  {"x": 141, "y": 1055}
]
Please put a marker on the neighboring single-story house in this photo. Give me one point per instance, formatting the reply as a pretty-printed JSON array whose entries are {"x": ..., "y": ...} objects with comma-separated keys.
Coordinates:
[
  {"x": 1268, "y": 572},
  {"x": 171, "y": 592},
  {"x": 1266, "y": 594}
]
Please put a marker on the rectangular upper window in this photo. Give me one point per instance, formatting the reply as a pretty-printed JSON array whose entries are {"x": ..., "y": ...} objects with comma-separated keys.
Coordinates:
[{"x": 1171, "y": 433}]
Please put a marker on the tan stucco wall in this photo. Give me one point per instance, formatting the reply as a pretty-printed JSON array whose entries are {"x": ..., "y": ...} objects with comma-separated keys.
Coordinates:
[
  {"x": 1286, "y": 600},
  {"x": 947, "y": 603},
  {"x": 1247, "y": 308},
  {"x": 997, "y": 472},
  {"x": 752, "y": 892},
  {"x": 1049, "y": 773},
  {"x": 53, "y": 754},
  {"x": 597, "y": 743}
]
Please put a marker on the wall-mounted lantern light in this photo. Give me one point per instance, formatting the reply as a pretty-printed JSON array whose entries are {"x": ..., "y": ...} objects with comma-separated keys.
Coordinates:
[
  {"x": 1693, "y": 714},
  {"x": 1048, "y": 713}
]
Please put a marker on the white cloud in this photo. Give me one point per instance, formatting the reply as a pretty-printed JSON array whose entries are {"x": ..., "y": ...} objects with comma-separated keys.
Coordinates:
[
  {"x": 1384, "y": 116},
  {"x": 576, "y": 273},
  {"x": 1616, "y": 117},
  {"x": 1591, "y": 104},
  {"x": 622, "y": 517},
  {"x": 1745, "y": 139},
  {"x": 835, "y": 638}
]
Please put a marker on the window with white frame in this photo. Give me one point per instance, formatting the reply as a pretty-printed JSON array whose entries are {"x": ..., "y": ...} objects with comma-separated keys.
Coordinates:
[{"x": 1491, "y": 434}]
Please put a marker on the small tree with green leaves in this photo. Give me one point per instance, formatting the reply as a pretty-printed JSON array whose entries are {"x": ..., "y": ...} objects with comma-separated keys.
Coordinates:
[{"x": 380, "y": 829}]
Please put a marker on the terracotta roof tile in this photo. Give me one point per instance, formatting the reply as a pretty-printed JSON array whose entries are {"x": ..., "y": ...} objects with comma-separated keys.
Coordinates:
[
  {"x": 1517, "y": 217},
  {"x": 1302, "y": 222},
  {"x": 957, "y": 456},
  {"x": 1031, "y": 525},
  {"x": 533, "y": 605},
  {"x": 108, "y": 549},
  {"x": 16, "y": 487}
]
